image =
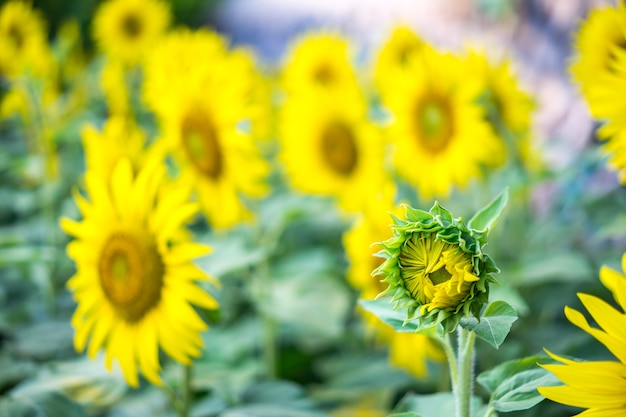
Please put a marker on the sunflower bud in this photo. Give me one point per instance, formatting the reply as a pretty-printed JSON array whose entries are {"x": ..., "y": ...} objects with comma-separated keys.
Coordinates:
[{"x": 435, "y": 265}]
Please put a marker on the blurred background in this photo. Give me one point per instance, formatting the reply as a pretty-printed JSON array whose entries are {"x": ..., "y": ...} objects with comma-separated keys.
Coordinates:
[{"x": 325, "y": 365}]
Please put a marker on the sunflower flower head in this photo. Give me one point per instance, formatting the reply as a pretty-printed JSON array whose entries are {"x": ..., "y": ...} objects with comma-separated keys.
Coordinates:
[
  {"x": 23, "y": 41},
  {"x": 598, "y": 386},
  {"x": 434, "y": 264},
  {"x": 125, "y": 30},
  {"x": 135, "y": 282}
]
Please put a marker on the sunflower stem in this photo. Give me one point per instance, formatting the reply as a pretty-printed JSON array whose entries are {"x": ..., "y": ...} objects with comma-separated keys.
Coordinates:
[
  {"x": 464, "y": 383},
  {"x": 446, "y": 343},
  {"x": 185, "y": 404}
]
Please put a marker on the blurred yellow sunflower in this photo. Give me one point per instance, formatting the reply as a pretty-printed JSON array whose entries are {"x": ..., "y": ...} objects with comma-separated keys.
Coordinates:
[
  {"x": 23, "y": 41},
  {"x": 392, "y": 61},
  {"x": 600, "y": 37},
  {"x": 441, "y": 135},
  {"x": 125, "y": 30},
  {"x": 330, "y": 148},
  {"x": 599, "y": 387},
  {"x": 201, "y": 113},
  {"x": 407, "y": 351},
  {"x": 120, "y": 138},
  {"x": 319, "y": 61},
  {"x": 509, "y": 107},
  {"x": 134, "y": 284}
]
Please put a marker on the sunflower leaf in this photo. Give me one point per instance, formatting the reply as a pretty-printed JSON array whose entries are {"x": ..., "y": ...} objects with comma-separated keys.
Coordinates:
[
  {"x": 486, "y": 217},
  {"x": 382, "y": 309},
  {"x": 513, "y": 384},
  {"x": 494, "y": 324}
]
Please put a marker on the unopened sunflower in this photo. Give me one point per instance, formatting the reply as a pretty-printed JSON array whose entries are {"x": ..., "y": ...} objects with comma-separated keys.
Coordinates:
[
  {"x": 435, "y": 267},
  {"x": 409, "y": 351},
  {"x": 135, "y": 282},
  {"x": 599, "y": 387}
]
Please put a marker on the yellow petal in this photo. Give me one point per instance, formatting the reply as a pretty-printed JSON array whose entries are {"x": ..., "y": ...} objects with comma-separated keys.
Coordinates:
[
  {"x": 185, "y": 252},
  {"x": 106, "y": 325},
  {"x": 615, "y": 346},
  {"x": 609, "y": 319},
  {"x": 123, "y": 346},
  {"x": 148, "y": 349},
  {"x": 121, "y": 183},
  {"x": 175, "y": 221}
]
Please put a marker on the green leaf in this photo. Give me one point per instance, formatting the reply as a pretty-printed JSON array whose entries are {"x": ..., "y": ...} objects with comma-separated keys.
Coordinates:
[
  {"x": 50, "y": 404},
  {"x": 407, "y": 414},
  {"x": 492, "y": 378},
  {"x": 487, "y": 217},
  {"x": 494, "y": 325},
  {"x": 383, "y": 309},
  {"x": 513, "y": 384}
]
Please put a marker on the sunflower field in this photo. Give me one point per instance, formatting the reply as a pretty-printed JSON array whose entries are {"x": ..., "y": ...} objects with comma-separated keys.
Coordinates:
[{"x": 340, "y": 209}]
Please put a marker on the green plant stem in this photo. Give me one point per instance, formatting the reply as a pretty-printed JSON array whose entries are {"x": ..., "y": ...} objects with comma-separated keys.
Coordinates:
[
  {"x": 270, "y": 346},
  {"x": 489, "y": 412},
  {"x": 464, "y": 383},
  {"x": 446, "y": 344},
  {"x": 185, "y": 404}
]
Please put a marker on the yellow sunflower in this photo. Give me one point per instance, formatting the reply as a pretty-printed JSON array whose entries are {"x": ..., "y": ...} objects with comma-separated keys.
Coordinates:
[
  {"x": 134, "y": 284},
  {"x": 406, "y": 350},
  {"x": 201, "y": 112},
  {"x": 23, "y": 41},
  {"x": 441, "y": 135},
  {"x": 127, "y": 29},
  {"x": 394, "y": 57},
  {"x": 509, "y": 107},
  {"x": 600, "y": 37},
  {"x": 319, "y": 61},
  {"x": 600, "y": 387},
  {"x": 330, "y": 148},
  {"x": 120, "y": 138}
]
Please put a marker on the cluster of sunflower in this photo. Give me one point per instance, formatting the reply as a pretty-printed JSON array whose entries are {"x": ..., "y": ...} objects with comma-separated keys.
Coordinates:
[{"x": 426, "y": 120}]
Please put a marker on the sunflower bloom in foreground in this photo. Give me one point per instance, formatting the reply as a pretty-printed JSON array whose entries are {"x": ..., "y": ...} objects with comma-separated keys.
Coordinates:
[
  {"x": 441, "y": 136},
  {"x": 434, "y": 265},
  {"x": 135, "y": 284},
  {"x": 125, "y": 30},
  {"x": 600, "y": 387},
  {"x": 408, "y": 351}
]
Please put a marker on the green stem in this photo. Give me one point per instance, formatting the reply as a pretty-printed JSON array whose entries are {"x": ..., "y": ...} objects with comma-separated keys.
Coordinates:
[
  {"x": 270, "y": 346},
  {"x": 464, "y": 383},
  {"x": 446, "y": 344},
  {"x": 185, "y": 404},
  {"x": 490, "y": 411}
]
